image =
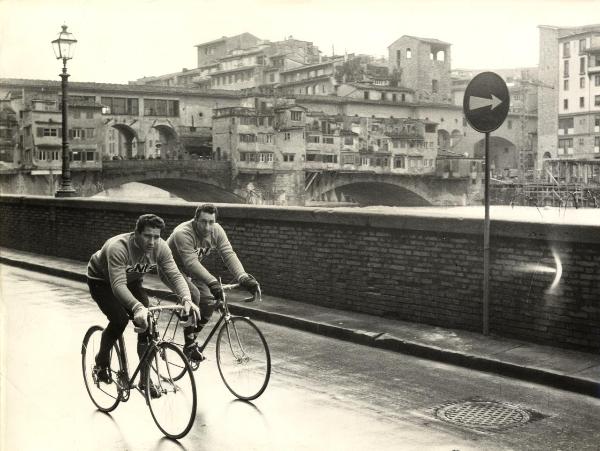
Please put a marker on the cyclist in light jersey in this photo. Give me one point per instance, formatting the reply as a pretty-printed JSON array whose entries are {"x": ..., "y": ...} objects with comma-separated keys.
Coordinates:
[
  {"x": 190, "y": 242},
  {"x": 114, "y": 276}
]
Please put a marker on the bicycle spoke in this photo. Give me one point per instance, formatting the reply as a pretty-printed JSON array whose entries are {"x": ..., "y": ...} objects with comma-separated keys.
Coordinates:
[
  {"x": 175, "y": 409},
  {"x": 106, "y": 396},
  {"x": 243, "y": 358}
]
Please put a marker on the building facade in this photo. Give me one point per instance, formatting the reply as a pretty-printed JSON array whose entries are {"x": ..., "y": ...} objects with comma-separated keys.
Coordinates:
[{"x": 569, "y": 114}]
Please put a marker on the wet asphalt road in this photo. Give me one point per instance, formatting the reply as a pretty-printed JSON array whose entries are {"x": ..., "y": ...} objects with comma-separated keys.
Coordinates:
[{"x": 324, "y": 394}]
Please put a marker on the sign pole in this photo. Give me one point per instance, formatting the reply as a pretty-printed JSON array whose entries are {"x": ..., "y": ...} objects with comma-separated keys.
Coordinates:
[
  {"x": 486, "y": 240},
  {"x": 485, "y": 105}
]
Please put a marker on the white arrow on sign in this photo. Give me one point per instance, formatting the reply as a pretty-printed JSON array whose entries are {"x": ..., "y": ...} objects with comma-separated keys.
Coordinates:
[{"x": 480, "y": 102}]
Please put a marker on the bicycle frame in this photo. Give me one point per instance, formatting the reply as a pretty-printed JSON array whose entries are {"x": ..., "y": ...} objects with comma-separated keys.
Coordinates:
[
  {"x": 225, "y": 316},
  {"x": 155, "y": 339}
]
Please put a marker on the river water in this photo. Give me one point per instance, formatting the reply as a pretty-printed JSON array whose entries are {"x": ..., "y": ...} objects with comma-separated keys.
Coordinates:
[{"x": 552, "y": 215}]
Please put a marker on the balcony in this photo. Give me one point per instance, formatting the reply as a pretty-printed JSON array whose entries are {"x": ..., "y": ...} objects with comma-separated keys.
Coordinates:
[{"x": 264, "y": 167}]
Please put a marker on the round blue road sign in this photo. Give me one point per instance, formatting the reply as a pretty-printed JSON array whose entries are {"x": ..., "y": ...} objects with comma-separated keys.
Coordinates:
[{"x": 486, "y": 102}]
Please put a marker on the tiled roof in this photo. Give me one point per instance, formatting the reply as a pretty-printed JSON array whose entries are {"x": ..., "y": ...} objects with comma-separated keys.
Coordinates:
[{"x": 114, "y": 87}]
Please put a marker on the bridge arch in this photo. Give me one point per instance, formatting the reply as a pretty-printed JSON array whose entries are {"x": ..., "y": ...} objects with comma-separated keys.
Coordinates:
[
  {"x": 503, "y": 155},
  {"x": 375, "y": 193},
  {"x": 187, "y": 188}
]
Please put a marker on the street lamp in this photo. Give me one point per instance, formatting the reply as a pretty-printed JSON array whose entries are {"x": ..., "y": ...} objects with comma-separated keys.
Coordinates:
[{"x": 64, "y": 46}]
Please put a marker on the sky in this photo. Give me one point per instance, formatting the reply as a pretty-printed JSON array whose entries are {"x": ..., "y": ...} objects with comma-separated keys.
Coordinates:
[{"x": 123, "y": 40}]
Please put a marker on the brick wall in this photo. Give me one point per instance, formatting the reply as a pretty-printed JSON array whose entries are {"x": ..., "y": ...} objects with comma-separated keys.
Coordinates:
[{"x": 415, "y": 268}]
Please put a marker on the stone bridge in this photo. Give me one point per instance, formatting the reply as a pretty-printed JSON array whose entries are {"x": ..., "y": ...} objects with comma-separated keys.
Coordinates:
[
  {"x": 393, "y": 189},
  {"x": 191, "y": 180}
]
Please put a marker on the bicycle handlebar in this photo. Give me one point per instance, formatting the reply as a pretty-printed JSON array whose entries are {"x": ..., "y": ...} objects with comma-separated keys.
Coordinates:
[{"x": 166, "y": 307}]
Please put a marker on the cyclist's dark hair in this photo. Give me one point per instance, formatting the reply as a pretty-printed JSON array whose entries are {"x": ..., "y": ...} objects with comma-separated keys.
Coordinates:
[
  {"x": 149, "y": 220},
  {"x": 207, "y": 208}
]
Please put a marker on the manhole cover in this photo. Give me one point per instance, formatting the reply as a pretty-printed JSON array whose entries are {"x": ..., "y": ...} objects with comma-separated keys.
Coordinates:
[{"x": 485, "y": 415}]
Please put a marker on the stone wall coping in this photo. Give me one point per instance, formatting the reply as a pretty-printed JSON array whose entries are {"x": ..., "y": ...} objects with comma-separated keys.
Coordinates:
[{"x": 349, "y": 217}]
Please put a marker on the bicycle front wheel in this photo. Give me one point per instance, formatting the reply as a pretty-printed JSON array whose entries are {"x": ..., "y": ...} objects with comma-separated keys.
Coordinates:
[
  {"x": 106, "y": 396},
  {"x": 243, "y": 358},
  {"x": 170, "y": 377}
]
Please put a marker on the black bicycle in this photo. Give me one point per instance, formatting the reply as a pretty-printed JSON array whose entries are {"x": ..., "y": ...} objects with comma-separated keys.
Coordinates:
[
  {"x": 173, "y": 406},
  {"x": 243, "y": 356}
]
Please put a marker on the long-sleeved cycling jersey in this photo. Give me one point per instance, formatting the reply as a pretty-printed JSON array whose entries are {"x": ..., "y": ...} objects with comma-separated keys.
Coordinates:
[
  {"x": 121, "y": 261},
  {"x": 189, "y": 248}
]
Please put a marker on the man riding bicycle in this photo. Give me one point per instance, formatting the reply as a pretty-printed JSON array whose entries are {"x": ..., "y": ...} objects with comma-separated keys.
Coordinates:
[
  {"x": 190, "y": 242},
  {"x": 114, "y": 276}
]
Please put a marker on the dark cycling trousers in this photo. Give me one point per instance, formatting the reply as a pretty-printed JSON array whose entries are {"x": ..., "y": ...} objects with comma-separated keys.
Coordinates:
[{"x": 118, "y": 316}]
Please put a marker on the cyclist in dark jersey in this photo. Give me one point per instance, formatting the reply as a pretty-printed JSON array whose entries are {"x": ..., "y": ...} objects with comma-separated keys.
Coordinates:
[
  {"x": 115, "y": 274},
  {"x": 190, "y": 242}
]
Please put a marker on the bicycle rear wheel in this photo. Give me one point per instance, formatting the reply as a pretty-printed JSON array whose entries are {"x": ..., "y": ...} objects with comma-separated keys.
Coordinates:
[
  {"x": 105, "y": 396},
  {"x": 243, "y": 358},
  {"x": 174, "y": 411}
]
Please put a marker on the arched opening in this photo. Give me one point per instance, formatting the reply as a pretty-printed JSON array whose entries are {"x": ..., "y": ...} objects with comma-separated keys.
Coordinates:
[
  {"x": 164, "y": 142},
  {"x": 443, "y": 139},
  {"x": 455, "y": 137},
  {"x": 122, "y": 142},
  {"x": 504, "y": 158}
]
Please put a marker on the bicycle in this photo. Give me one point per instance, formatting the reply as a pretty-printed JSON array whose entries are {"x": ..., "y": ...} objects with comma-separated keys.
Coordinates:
[
  {"x": 243, "y": 356},
  {"x": 174, "y": 409}
]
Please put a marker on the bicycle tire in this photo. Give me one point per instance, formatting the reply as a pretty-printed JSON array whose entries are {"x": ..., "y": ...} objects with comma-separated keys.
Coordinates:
[
  {"x": 175, "y": 410},
  {"x": 243, "y": 358},
  {"x": 106, "y": 397}
]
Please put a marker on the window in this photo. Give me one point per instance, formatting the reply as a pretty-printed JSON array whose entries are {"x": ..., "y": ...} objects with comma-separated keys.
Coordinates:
[
  {"x": 581, "y": 45},
  {"x": 399, "y": 163},
  {"x": 565, "y": 125},
  {"x": 120, "y": 105},
  {"x": 398, "y": 57},
  {"x": 76, "y": 114},
  {"x": 581, "y": 102},
  {"x": 348, "y": 159},
  {"x": 330, "y": 159},
  {"x": 582, "y": 65},
  {"x": 565, "y": 85},
  {"x": 49, "y": 132},
  {"x": 408, "y": 54},
  {"x": 314, "y": 139},
  {"x": 596, "y": 80},
  {"x": 566, "y": 68},
  {"x": 566, "y": 49},
  {"x": 366, "y": 95},
  {"x": 297, "y": 116},
  {"x": 76, "y": 133},
  {"x": 596, "y": 100},
  {"x": 509, "y": 124},
  {"x": 434, "y": 86},
  {"x": 565, "y": 104},
  {"x": 89, "y": 115},
  {"x": 565, "y": 146},
  {"x": 348, "y": 140},
  {"x": 288, "y": 157},
  {"x": 286, "y": 136},
  {"x": 582, "y": 82},
  {"x": 161, "y": 107},
  {"x": 327, "y": 139},
  {"x": 596, "y": 144},
  {"x": 247, "y": 138}
]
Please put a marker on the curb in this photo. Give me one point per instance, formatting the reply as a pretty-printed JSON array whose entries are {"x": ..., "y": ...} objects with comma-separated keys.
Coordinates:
[{"x": 375, "y": 339}]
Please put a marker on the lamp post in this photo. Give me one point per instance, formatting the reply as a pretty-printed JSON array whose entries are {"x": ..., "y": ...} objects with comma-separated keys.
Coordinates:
[{"x": 64, "y": 46}]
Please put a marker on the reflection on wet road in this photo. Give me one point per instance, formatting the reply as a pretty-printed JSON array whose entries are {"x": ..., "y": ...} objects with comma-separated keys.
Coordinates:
[{"x": 324, "y": 394}]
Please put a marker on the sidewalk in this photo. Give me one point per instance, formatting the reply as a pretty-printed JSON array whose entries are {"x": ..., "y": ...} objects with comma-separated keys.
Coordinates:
[{"x": 569, "y": 370}]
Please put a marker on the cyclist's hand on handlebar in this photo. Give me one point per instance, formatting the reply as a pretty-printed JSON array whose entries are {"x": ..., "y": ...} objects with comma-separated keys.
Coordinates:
[
  {"x": 191, "y": 313},
  {"x": 216, "y": 290},
  {"x": 140, "y": 318},
  {"x": 250, "y": 284}
]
